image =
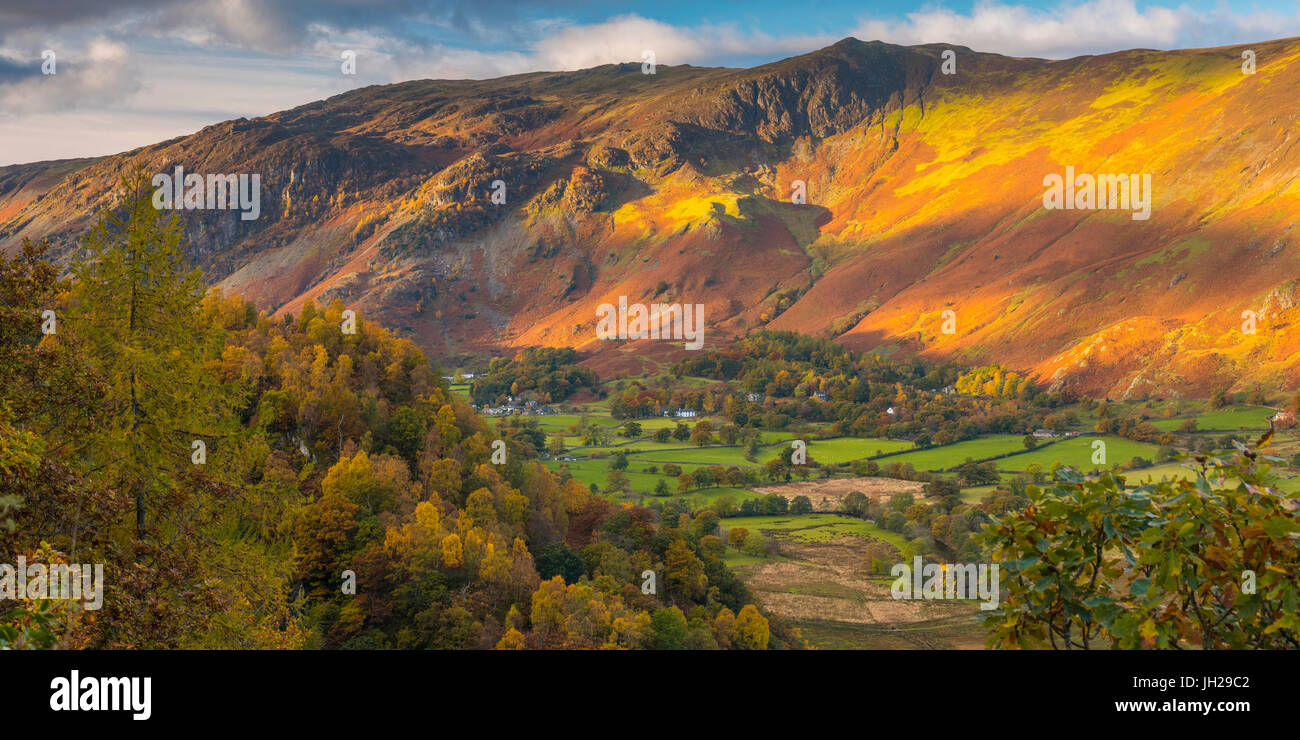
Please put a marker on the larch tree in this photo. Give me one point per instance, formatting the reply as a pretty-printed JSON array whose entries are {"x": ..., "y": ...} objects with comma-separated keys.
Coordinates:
[{"x": 138, "y": 307}]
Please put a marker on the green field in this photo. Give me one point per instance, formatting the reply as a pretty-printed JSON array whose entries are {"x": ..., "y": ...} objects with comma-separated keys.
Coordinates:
[
  {"x": 733, "y": 558},
  {"x": 1180, "y": 470},
  {"x": 1077, "y": 453},
  {"x": 701, "y": 455},
  {"x": 702, "y": 497},
  {"x": 639, "y": 483},
  {"x": 555, "y": 422},
  {"x": 769, "y": 437},
  {"x": 814, "y": 527},
  {"x": 648, "y": 447},
  {"x": 597, "y": 471},
  {"x": 844, "y": 449},
  {"x": 973, "y": 494},
  {"x": 942, "y": 458},
  {"x": 1231, "y": 419}
]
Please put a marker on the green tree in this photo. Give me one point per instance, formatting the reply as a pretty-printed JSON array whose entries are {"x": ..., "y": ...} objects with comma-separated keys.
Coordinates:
[
  {"x": 619, "y": 460},
  {"x": 856, "y": 503},
  {"x": 617, "y": 480},
  {"x": 669, "y": 627},
  {"x": 1218, "y": 398},
  {"x": 406, "y": 434},
  {"x": 137, "y": 306},
  {"x": 556, "y": 447},
  {"x": 1181, "y": 564},
  {"x": 556, "y": 559}
]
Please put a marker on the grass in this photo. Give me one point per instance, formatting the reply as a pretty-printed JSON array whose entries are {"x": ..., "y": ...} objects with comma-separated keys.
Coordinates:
[
  {"x": 815, "y": 527},
  {"x": 1230, "y": 419},
  {"x": 973, "y": 494},
  {"x": 734, "y": 558},
  {"x": 701, "y": 456},
  {"x": 1179, "y": 470},
  {"x": 643, "y": 484},
  {"x": 702, "y": 497},
  {"x": 942, "y": 458},
  {"x": 647, "y": 446},
  {"x": 844, "y": 449},
  {"x": 564, "y": 421},
  {"x": 597, "y": 471},
  {"x": 826, "y": 589},
  {"x": 1077, "y": 453},
  {"x": 1170, "y": 471},
  {"x": 770, "y": 437}
]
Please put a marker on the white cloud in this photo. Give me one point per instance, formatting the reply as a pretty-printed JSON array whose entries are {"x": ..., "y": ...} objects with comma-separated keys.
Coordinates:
[
  {"x": 561, "y": 47},
  {"x": 624, "y": 38},
  {"x": 1068, "y": 30},
  {"x": 89, "y": 77}
]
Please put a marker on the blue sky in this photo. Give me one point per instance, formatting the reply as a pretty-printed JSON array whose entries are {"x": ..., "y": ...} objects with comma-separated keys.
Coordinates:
[{"x": 133, "y": 72}]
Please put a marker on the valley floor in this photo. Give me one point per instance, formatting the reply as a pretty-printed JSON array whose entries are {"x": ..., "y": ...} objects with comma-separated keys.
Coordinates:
[{"x": 818, "y": 575}]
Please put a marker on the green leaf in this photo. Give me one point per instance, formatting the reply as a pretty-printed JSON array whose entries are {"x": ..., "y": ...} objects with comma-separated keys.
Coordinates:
[{"x": 1139, "y": 587}]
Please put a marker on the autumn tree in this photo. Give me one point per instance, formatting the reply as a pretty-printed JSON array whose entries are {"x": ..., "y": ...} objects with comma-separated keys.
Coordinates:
[
  {"x": 685, "y": 571},
  {"x": 751, "y": 629}
]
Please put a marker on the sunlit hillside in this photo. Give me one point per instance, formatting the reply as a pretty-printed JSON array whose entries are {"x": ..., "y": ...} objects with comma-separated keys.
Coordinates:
[{"x": 924, "y": 194}]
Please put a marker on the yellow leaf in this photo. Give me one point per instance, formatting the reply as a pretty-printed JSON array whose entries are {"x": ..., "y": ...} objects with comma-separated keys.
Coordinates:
[{"x": 1148, "y": 629}]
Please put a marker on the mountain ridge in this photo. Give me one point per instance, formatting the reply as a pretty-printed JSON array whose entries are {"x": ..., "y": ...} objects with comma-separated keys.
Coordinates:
[{"x": 924, "y": 195}]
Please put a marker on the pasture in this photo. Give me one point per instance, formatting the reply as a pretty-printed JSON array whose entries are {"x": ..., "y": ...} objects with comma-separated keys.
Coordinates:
[
  {"x": 948, "y": 456},
  {"x": 1077, "y": 452}
]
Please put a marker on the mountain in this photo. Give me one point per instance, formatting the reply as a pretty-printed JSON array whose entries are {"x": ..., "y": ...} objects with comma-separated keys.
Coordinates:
[{"x": 925, "y": 194}]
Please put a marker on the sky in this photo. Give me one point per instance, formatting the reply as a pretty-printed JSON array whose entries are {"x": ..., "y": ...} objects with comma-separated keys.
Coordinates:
[{"x": 127, "y": 73}]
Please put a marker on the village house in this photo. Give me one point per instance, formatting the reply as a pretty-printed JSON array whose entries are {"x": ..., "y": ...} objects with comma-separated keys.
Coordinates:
[{"x": 1283, "y": 420}]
